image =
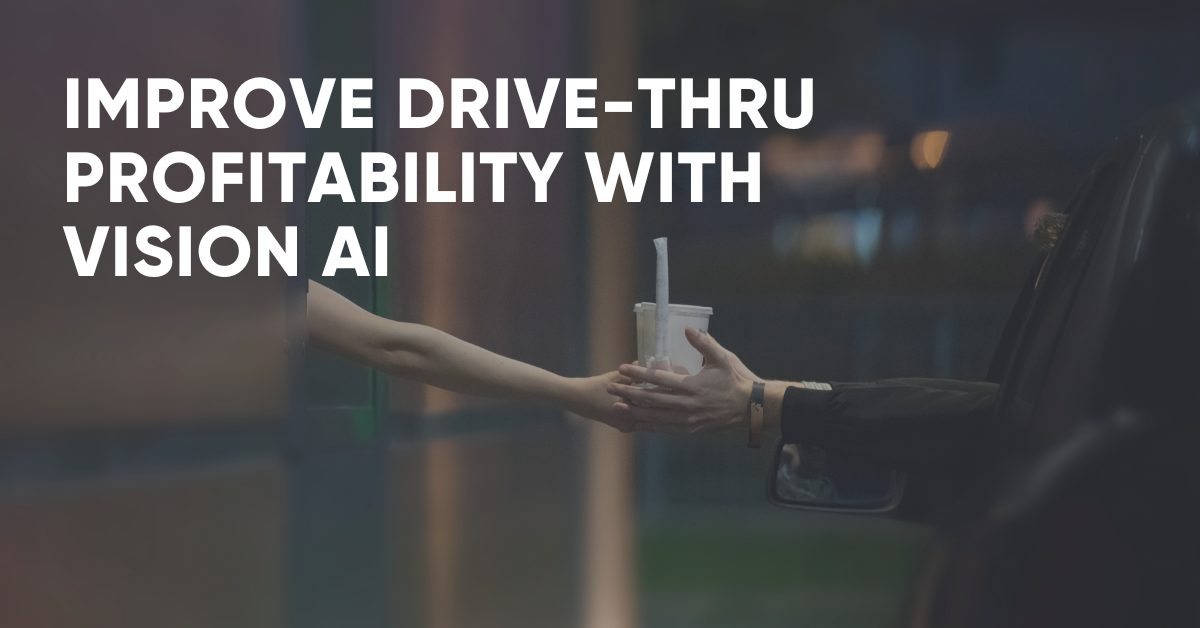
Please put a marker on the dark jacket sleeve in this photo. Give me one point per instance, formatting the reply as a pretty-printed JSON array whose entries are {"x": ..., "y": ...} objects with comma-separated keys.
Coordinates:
[{"x": 906, "y": 424}]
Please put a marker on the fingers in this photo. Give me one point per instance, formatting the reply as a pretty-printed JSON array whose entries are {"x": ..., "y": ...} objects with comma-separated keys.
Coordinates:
[
  {"x": 654, "y": 419},
  {"x": 640, "y": 414},
  {"x": 613, "y": 376},
  {"x": 662, "y": 428},
  {"x": 658, "y": 377},
  {"x": 624, "y": 424},
  {"x": 649, "y": 397},
  {"x": 617, "y": 419},
  {"x": 714, "y": 354}
]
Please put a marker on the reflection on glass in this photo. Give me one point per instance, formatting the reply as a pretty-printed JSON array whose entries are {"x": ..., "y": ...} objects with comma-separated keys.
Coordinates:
[{"x": 810, "y": 476}]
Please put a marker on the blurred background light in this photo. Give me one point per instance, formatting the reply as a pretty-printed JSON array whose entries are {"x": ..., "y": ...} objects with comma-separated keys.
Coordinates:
[{"x": 929, "y": 148}]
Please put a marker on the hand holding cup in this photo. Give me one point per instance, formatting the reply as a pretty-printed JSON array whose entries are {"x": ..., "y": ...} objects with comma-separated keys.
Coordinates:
[{"x": 714, "y": 398}]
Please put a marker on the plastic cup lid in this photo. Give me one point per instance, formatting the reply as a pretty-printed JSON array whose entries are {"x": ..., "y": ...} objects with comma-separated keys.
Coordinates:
[{"x": 676, "y": 308}]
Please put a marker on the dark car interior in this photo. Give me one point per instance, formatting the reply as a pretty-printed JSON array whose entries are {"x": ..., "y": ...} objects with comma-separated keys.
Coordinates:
[{"x": 1084, "y": 508}]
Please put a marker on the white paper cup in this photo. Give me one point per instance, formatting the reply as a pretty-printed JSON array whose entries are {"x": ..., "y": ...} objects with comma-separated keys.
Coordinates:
[{"x": 679, "y": 350}]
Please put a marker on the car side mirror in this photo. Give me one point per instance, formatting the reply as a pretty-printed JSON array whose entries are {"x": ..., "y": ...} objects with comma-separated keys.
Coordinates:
[{"x": 811, "y": 478}]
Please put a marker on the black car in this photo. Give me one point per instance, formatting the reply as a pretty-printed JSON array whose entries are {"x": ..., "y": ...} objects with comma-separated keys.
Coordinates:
[{"x": 1083, "y": 508}]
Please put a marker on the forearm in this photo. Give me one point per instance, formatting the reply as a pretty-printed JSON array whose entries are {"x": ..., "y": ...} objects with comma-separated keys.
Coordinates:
[
  {"x": 906, "y": 423},
  {"x": 434, "y": 357},
  {"x": 426, "y": 355}
]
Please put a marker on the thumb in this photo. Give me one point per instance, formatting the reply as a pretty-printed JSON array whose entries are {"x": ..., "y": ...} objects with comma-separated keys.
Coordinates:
[{"x": 714, "y": 354}]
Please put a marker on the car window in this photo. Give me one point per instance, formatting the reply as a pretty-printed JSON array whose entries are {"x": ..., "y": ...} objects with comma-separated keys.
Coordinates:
[{"x": 1056, "y": 292}]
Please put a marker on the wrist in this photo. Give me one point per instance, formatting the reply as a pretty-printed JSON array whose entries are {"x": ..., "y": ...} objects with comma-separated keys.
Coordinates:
[
  {"x": 773, "y": 406},
  {"x": 755, "y": 411},
  {"x": 561, "y": 391}
]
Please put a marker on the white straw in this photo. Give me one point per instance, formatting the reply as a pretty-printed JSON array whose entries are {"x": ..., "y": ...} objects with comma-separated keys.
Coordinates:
[{"x": 662, "y": 301}]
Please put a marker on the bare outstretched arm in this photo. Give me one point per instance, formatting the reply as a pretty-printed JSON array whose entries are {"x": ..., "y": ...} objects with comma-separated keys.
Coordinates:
[{"x": 424, "y": 354}]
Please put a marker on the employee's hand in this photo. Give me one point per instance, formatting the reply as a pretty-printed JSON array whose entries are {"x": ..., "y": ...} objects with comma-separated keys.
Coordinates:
[
  {"x": 590, "y": 399},
  {"x": 717, "y": 397}
]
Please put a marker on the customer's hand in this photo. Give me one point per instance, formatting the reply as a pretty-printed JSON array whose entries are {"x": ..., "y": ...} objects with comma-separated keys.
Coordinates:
[
  {"x": 736, "y": 362},
  {"x": 716, "y": 397},
  {"x": 590, "y": 399}
]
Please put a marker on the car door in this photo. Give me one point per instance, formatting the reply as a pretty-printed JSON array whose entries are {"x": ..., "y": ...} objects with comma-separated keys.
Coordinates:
[{"x": 1086, "y": 518}]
